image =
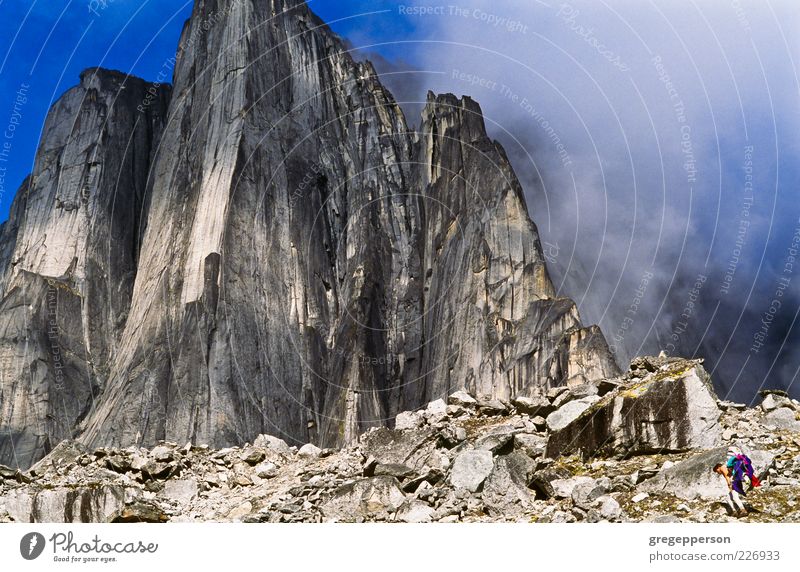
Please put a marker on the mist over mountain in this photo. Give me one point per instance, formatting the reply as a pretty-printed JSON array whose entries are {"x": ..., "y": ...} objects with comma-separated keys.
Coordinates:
[{"x": 658, "y": 147}]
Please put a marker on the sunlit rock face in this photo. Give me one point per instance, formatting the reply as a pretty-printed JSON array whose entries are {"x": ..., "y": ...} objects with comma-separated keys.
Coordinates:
[
  {"x": 69, "y": 255},
  {"x": 280, "y": 254}
]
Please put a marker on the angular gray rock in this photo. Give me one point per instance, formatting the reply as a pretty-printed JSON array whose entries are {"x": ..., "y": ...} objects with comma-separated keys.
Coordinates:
[
  {"x": 783, "y": 418},
  {"x": 671, "y": 409},
  {"x": 274, "y": 443},
  {"x": 470, "y": 469},
  {"x": 276, "y": 252},
  {"x": 415, "y": 512},
  {"x": 537, "y": 405},
  {"x": 609, "y": 508},
  {"x": 506, "y": 491},
  {"x": 563, "y": 488},
  {"x": 372, "y": 497},
  {"x": 569, "y": 412},
  {"x": 309, "y": 451},
  {"x": 584, "y": 494},
  {"x": 415, "y": 448}
]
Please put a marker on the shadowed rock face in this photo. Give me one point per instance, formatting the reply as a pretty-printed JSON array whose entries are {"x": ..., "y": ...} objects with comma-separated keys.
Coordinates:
[{"x": 303, "y": 265}]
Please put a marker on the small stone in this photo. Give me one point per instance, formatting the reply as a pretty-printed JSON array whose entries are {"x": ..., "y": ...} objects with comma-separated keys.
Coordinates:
[
  {"x": 463, "y": 399},
  {"x": 241, "y": 511},
  {"x": 562, "y": 399},
  {"x": 266, "y": 470},
  {"x": 118, "y": 463},
  {"x": 162, "y": 454},
  {"x": 494, "y": 441},
  {"x": 774, "y": 401},
  {"x": 415, "y": 511},
  {"x": 583, "y": 390},
  {"x": 181, "y": 490},
  {"x": 138, "y": 462},
  {"x": 585, "y": 494},
  {"x": 640, "y": 497},
  {"x": 664, "y": 519},
  {"x": 562, "y": 488},
  {"x": 456, "y": 411},
  {"x": 309, "y": 451},
  {"x": 273, "y": 443},
  {"x": 396, "y": 470},
  {"x": 623, "y": 483},
  {"x": 609, "y": 508},
  {"x": 242, "y": 480},
  {"x": 158, "y": 470},
  {"x": 408, "y": 420},
  {"x": 531, "y": 445},
  {"x": 561, "y": 516},
  {"x": 539, "y": 422},
  {"x": 140, "y": 511},
  {"x": 554, "y": 392},
  {"x": 429, "y": 478},
  {"x": 490, "y": 406},
  {"x": 253, "y": 455},
  {"x": 436, "y": 411},
  {"x": 539, "y": 405}
]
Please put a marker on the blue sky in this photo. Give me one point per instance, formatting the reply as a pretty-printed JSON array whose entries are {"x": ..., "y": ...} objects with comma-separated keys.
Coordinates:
[
  {"x": 45, "y": 44},
  {"x": 597, "y": 76}
]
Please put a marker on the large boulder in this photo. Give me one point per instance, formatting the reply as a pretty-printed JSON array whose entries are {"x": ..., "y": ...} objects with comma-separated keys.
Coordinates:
[
  {"x": 694, "y": 477},
  {"x": 671, "y": 409}
]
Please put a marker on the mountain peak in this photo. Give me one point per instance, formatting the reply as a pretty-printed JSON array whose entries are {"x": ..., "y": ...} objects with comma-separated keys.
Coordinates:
[{"x": 282, "y": 256}]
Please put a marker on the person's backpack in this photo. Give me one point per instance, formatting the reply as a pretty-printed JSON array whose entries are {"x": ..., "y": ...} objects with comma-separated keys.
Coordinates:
[{"x": 742, "y": 465}]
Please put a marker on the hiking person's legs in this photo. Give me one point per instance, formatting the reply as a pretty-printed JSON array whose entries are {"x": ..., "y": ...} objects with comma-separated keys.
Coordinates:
[{"x": 736, "y": 504}]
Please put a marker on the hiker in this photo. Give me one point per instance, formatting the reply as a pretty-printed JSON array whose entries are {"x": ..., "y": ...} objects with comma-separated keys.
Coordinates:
[
  {"x": 732, "y": 499},
  {"x": 734, "y": 470}
]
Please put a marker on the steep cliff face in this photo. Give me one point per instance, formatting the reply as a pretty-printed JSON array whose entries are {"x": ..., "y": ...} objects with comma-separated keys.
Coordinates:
[
  {"x": 309, "y": 267},
  {"x": 273, "y": 276},
  {"x": 69, "y": 256},
  {"x": 492, "y": 322}
]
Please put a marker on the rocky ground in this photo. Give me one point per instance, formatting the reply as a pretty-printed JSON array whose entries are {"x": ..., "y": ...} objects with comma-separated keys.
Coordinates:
[{"x": 466, "y": 459}]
